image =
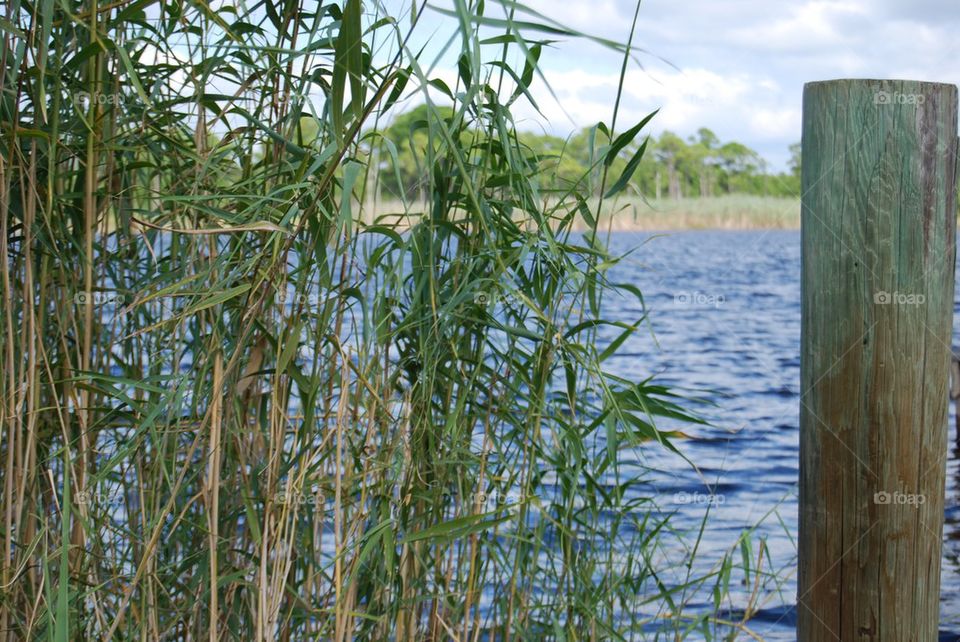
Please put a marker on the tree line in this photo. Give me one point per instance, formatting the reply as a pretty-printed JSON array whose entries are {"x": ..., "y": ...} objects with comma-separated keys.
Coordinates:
[{"x": 701, "y": 165}]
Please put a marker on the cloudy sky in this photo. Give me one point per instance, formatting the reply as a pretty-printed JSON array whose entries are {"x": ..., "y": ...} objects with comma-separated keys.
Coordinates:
[{"x": 735, "y": 66}]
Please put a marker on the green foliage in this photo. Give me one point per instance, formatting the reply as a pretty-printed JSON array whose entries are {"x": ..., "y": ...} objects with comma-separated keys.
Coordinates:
[
  {"x": 234, "y": 409},
  {"x": 701, "y": 166}
]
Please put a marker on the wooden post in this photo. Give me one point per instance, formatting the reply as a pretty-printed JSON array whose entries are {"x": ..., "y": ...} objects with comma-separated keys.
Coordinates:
[{"x": 878, "y": 236}]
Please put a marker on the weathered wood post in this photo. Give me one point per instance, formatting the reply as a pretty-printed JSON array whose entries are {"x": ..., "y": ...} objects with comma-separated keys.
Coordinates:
[{"x": 878, "y": 237}]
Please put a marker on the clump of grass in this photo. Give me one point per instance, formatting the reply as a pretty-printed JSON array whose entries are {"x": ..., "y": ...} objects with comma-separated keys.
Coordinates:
[{"x": 235, "y": 405}]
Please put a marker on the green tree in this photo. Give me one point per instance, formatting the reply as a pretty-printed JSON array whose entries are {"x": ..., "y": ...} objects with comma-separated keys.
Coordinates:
[
  {"x": 795, "y": 159},
  {"x": 670, "y": 149},
  {"x": 410, "y": 138}
]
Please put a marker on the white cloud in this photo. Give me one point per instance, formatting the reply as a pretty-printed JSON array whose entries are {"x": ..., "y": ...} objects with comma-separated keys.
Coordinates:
[
  {"x": 732, "y": 106},
  {"x": 594, "y": 17},
  {"x": 809, "y": 25},
  {"x": 776, "y": 124}
]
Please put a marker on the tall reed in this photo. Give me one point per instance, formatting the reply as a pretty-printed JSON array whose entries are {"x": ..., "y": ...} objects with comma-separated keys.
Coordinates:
[{"x": 234, "y": 409}]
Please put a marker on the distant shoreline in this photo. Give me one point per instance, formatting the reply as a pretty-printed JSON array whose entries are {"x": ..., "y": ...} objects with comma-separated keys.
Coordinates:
[
  {"x": 633, "y": 214},
  {"x": 733, "y": 212}
]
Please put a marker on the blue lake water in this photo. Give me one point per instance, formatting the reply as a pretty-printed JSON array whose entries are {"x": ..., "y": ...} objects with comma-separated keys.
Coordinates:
[{"x": 725, "y": 317}]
